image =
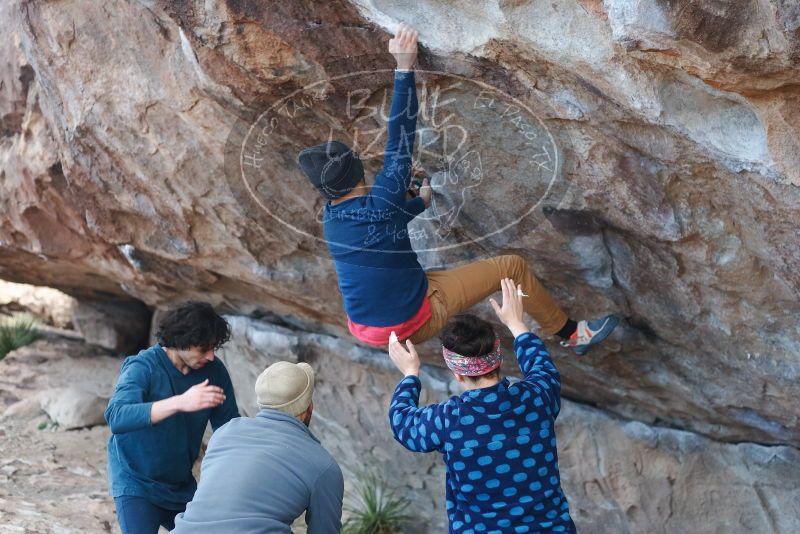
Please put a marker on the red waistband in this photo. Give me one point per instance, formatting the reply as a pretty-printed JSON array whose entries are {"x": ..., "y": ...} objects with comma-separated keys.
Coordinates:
[{"x": 379, "y": 335}]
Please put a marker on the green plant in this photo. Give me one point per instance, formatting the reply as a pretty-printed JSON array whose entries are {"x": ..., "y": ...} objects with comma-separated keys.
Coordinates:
[
  {"x": 48, "y": 425},
  {"x": 376, "y": 508},
  {"x": 17, "y": 331}
]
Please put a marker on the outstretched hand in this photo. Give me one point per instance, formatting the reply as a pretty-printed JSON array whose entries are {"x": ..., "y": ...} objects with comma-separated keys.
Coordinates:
[
  {"x": 201, "y": 397},
  {"x": 510, "y": 313},
  {"x": 406, "y": 358},
  {"x": 403, "y": 46}
]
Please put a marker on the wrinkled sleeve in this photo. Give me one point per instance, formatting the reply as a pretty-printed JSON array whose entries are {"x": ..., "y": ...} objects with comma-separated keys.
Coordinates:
[
  {"x": 393, "y": 181},
  {"x": 538, "y": 369},
  {"x": 127, "y": 409},
  {"x": 417, "y": 429}
]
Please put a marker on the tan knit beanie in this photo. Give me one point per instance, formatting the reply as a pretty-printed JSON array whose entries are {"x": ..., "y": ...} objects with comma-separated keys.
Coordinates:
[{"x": 285, "y": 386}]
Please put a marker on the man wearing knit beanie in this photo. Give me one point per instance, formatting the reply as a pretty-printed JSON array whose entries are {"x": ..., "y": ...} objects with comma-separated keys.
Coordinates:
[{"x": 261, "y": 473}]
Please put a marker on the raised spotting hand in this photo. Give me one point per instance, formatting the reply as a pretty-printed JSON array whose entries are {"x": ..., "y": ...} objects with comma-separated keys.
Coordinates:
[
  {"x": 511, "y": 311},
  {"x": 405, "y": 358}
]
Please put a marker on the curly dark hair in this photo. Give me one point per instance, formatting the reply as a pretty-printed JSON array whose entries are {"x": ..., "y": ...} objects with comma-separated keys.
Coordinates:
[
  {"x": 193, "y": 324},
  {"x": 469, "y": 335}
]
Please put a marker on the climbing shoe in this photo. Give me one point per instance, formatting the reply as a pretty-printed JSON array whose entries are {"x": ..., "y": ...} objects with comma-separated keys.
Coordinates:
[{"x": 590, "y": 333}]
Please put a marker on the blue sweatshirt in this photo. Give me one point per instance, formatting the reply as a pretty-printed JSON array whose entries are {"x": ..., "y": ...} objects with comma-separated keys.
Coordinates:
[
  {"x": 368, "y": 237},
  {"x": 259, "y": 474},
  {"x": 155, "y": 461},
  {"x": 499, "y": 447}
]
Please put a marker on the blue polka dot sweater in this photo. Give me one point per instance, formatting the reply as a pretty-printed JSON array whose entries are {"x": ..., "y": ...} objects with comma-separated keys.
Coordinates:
[{"x": 499, "y": 446}]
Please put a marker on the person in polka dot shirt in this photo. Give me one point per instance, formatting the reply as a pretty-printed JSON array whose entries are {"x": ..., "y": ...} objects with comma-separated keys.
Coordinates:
[{"x": 498, "y": 438}]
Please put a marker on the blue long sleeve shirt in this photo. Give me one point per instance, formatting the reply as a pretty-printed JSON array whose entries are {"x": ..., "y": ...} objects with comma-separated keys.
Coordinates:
[
  {"x": 155, "y": 461},
  {"x": 499, "y": 447},
  {"x": 367, "y": 236},
  {"x": 259, "y": 474}
]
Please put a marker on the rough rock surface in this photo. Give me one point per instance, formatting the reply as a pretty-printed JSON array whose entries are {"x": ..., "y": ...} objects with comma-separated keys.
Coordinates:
[
  {"x": 52, "y": 479},
  {"x": 621, "y": 477},
  {"x": 629, "y": 477},
  {"x": 644, "y": 156},
  {"x": 50, "y": 306},
  {"x": 56, "y": 362},
  {"x": 122, "y": 326},
  {"x": 664, "y": 179}
]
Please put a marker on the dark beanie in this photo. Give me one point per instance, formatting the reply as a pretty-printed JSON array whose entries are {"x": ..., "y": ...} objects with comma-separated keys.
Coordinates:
[{"x": 332, "y": 167}]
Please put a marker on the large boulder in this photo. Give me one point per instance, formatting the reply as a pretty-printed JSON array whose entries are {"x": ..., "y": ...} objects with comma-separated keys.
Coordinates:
[
  {"x": 35, "y": 377},
  {"x": 643, "y": 156},
  {"x": 629, "y": 477},
  {"x": 73, "y": 408},
  {"x": 643, "y": 162}
]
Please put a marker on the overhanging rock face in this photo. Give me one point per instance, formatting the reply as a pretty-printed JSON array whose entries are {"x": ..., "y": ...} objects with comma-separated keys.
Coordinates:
[{"x": 642, "y": 156}]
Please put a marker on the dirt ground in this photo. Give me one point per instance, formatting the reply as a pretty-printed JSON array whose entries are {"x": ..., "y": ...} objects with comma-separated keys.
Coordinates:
[{"x": 53, "y": 480}]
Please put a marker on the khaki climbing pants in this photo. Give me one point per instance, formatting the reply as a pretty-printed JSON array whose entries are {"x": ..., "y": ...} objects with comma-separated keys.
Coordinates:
[{"x": 455, "y": 290}]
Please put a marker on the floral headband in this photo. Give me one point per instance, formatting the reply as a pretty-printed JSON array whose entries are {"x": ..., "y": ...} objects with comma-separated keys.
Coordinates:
[{"x": 473, "y": 365}]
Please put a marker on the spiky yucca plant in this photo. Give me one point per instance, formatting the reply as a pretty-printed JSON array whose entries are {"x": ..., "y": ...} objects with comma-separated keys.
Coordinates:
[
  {"x": 376, "y": 508},
  {"x": 17, "y": 331}
]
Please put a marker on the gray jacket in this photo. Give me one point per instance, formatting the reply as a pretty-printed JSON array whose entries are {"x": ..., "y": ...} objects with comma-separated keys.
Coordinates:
[{"x": 259, "y": 474}]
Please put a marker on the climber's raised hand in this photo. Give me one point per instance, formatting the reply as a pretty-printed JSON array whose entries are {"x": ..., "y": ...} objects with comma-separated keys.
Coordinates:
[
  {"x": 422, "y": 189},
  {"x": 403, "y": 46},
  {"x": 421, "y": 186}
]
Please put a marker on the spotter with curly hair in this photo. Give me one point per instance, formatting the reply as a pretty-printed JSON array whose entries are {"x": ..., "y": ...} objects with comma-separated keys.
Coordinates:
[{"x": 165, "y": 397}]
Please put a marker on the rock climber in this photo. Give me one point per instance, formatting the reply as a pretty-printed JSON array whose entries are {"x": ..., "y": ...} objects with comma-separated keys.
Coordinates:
[
  {"x": 383, "y": 285},
  {"x": 164, "y": 399},
  {"x": 498, "y": 438}
]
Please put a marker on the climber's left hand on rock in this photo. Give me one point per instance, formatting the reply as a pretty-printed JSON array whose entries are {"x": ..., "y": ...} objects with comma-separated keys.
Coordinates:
[{"x": 403, "y": 46}]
